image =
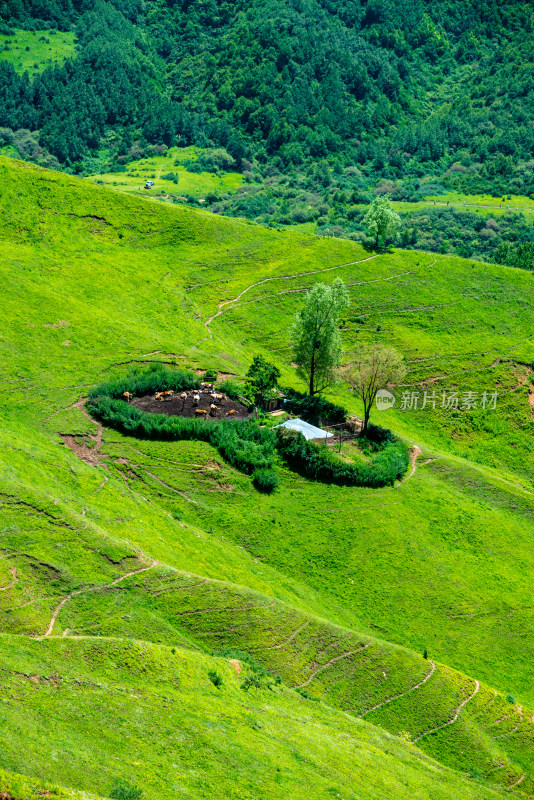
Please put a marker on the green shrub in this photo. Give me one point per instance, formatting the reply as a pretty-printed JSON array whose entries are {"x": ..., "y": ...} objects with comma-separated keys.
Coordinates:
[
  {"x": 319, "y": 463},
  {"x": 245, "y": 658},
  {"x": 252, "y": 681},
  {"x": 265, "y": 480},
  {"x": 155, "y": 379},
  {"x": 237, "y": 391},
  {"x": 215, "y": 678},
  {"x": 211, "y": 375},
  {"x": 124, "y": 791},
  {"x": 314, "y": 409},
  {"x": 243, "y": 444},
  {"x": 170, "y": 176},
  {"x": 307, "y": 695}
]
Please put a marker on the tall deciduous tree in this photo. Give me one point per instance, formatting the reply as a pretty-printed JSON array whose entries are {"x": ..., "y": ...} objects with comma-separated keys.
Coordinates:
[
  {"x": 381, "y": 221},
  {"x": 374, "y": 368},
  {"x": 315, "y": 334}
]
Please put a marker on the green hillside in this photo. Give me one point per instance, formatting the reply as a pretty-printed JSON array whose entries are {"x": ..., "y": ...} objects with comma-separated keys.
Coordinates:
[{"x": 117, "y": 550}]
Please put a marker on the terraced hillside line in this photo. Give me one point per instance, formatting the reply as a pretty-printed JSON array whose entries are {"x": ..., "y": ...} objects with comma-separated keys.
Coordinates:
[
  {"x": 214, "y": 610},
  {"x": 402, "y": 694},
  {"x": 171, "y": 488},
  {"x": 355, "y": 283},
  {"x": 14, "y": 575},
  {"x": 520, "y": 713},
  {"x": 295, "y": 275},
  {"x": 93, "y": 589},
  {"x": 518, "y": 781},
  {"x": 329, "y": 664},
  {"x": 106, "y": 479},
  {"x": 284, "y": 643},
  {"x": 223, "y": 303},
  {"x": 519, "y": 710},
  {"x": 183, "y": 588},
  {"x": 456, "y": 715}
]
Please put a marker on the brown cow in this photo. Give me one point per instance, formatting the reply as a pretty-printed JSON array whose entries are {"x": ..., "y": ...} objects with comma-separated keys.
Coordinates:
[
  {"x": 128, "y": 396},
  {"x": 230, "y": 413},
  {"x": 200, "y": 411}
]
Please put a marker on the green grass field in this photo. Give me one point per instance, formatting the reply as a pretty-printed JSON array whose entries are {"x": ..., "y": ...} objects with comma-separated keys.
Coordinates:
[
  {"x": 190, "y": 184},
  {"x": 115, "y": 549},
  {"x": 33, "y": 51}
]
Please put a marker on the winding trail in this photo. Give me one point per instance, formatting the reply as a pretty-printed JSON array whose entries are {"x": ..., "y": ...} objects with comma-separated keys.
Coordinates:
[
  {"x": 520, "y": 780},
  {"x": 285, "y": 642},
  {"x": 402, "y": 694},
  {"x": 13, "y": 582},
  {"x": 171, "y": 488},
  {"x": 92, "y": 589},
  {"x": 415, "y": 452},
  {"x": 106, "y": 479},
  {"x": 222, "y": 305},
  {"x": 329, "y": 664},
  {"x": 456, "y": 715}
]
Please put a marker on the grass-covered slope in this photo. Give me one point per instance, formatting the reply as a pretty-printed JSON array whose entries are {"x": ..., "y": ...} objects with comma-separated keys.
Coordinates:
[
  {"x": 163, "y": 542},
  {"x": 34, "y": 51},
  {"x": 149, "y": 715},
  {"x": 170, "y": 178}
]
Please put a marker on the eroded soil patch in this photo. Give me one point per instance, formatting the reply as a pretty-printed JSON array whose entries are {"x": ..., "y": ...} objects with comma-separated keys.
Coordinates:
[{"x": 84, "y": 447}]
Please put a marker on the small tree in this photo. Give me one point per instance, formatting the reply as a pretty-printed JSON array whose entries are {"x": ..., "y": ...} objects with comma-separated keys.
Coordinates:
[
  {"x": 381, "y": 221},
  {"x": 315, "y": 334},
  {"x": 262, "y": 375},
  {"x": 375, "y": 367}
]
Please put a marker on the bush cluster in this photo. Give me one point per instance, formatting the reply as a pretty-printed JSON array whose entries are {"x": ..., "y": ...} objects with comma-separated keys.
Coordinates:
[
  {"x": 155, "y": 379},
  {"x": 265, "y": 480},
  {"x": 314, "y": 409},
  {"x": 244, "y": 445},
  {"x": 318, "y": 462},
  {"x": 257, "y": 676},
  {"x": 237, "y": 391}
]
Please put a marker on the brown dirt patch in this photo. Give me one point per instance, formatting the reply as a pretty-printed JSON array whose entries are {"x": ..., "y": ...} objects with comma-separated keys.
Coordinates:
[
  {"x": 179, "y": 407},
  {"x": 236, "y": 665},
  {"x": 80, "y": 447}
]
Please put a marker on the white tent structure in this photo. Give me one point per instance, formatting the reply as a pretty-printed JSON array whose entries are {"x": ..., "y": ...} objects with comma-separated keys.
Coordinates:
[{"x": 307, "y": 430}]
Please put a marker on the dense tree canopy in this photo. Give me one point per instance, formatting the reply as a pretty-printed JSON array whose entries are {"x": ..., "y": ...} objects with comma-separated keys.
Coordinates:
[
  {"x": 289, "y": 80},
  {"x": 349, "y": 95}
]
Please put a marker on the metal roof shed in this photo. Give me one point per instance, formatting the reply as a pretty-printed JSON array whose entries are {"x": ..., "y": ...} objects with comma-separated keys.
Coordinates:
[{"x": 307, "y": 430}]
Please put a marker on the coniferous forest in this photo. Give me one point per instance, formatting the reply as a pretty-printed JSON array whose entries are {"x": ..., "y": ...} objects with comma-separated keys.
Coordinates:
[{"x": 320, "y": 105}]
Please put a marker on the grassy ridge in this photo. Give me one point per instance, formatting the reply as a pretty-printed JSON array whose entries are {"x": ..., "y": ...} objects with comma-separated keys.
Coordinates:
[{"x": 94, "y": 281}]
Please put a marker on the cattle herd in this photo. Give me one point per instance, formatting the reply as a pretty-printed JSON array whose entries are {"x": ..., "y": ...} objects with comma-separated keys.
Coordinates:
[{"x": 190, "y": 402}]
